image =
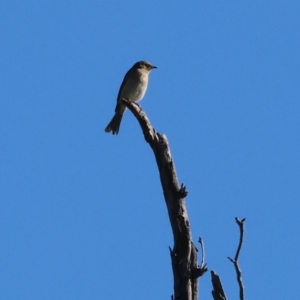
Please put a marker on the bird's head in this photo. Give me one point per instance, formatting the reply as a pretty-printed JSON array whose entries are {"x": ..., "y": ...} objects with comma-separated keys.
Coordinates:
[{"x": 144, "y": 65}]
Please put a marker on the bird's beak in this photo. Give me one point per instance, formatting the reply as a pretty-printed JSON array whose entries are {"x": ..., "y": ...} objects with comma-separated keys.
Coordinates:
[{"x": 153, "y": 67}]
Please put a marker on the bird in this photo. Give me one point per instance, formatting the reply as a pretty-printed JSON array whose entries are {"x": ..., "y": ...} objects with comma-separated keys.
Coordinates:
[{"x": 133, "y": 88}]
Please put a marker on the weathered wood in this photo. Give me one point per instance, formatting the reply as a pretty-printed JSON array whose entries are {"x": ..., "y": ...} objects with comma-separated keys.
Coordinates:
[{"x": 183, "y": 254}]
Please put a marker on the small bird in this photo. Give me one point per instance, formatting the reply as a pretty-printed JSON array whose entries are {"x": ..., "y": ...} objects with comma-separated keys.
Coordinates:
[{"x": 133, "y": 88}]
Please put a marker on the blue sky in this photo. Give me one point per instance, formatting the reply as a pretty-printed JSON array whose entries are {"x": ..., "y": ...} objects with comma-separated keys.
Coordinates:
[{"x": 82, "y": 215}]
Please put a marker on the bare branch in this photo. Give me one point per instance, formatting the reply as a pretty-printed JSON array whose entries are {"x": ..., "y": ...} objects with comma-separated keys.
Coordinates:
[
  {"x": 183, "y": 255},
  {"x": 235, "y": 260}
]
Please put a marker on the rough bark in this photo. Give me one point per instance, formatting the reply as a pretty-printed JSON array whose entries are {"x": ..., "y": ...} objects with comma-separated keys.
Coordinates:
[{"x": 183, "y": 254}]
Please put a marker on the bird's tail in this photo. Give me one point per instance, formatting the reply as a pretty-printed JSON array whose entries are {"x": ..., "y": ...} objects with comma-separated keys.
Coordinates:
[{"x": 114, "y": 125}]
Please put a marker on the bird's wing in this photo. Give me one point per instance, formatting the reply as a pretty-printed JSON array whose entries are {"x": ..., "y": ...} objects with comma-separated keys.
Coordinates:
[{"x": 121, "y": 88}]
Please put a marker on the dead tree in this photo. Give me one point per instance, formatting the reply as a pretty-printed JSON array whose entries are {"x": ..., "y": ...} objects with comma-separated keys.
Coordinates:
[{"x": 186, "y": 270}]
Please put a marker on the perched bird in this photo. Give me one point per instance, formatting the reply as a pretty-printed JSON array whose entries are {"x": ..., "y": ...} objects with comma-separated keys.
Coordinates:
[{"x": 133, "y": 88}]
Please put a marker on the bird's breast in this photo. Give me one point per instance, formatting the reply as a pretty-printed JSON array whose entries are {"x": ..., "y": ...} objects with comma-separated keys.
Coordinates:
[{"x": 135, "y": 89}]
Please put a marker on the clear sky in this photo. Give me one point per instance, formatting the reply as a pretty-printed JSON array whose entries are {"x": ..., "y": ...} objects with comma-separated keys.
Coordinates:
[{"x": 82, "y": 214}]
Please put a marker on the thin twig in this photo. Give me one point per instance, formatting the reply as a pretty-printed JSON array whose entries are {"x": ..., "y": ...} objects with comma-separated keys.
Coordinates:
[
  {"x": 235, "y": 260},
  {"x": 203, "y": 252}
]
